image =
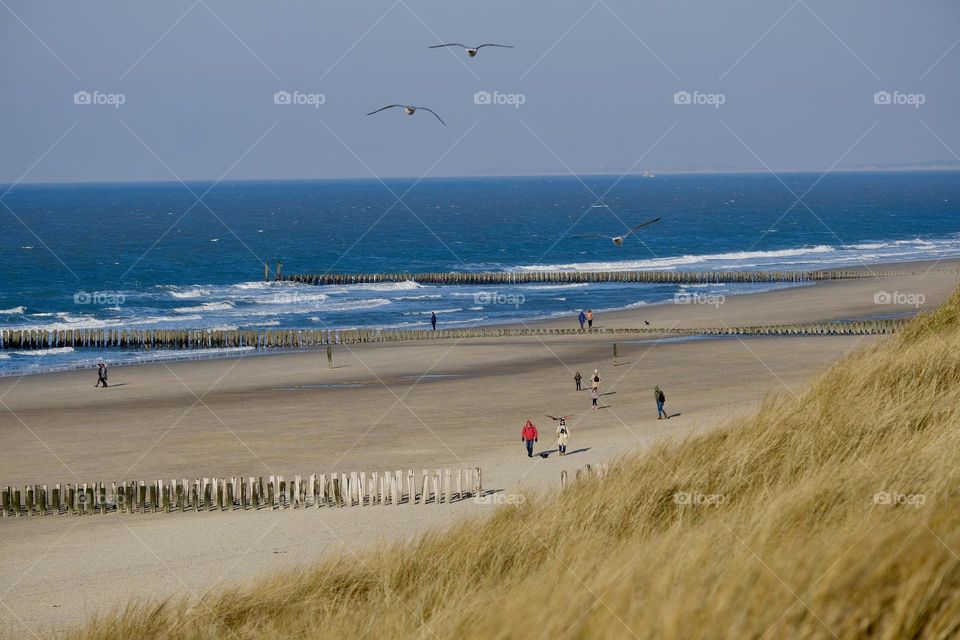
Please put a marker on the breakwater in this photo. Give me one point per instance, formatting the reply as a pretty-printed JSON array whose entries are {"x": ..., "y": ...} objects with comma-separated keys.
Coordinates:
[
  {"x": 648, "y": 277},
  {"x": 353, "y": 489},
  {"x": 148, "y": 339}
]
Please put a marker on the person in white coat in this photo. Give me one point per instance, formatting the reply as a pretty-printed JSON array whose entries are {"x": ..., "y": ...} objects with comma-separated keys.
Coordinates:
[{"x": 563, "y": 437}]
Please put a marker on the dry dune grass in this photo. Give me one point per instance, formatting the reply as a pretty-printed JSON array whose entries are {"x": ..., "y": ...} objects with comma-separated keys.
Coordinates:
[{"x": 831, "y": 514}]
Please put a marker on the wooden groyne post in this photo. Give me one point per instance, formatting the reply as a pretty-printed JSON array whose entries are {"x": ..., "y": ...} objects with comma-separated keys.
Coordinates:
[
  {"x": 235, "y": 493},
  {"x": 148, "y": 339},
  {"x": 650, "y": 277}
]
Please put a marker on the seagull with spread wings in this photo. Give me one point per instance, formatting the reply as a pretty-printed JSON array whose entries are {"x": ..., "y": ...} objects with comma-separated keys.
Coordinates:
[
  {"x": 471, "y": 51},
  {"x": 409, "y": 110},
  {"x": 618, "y": 240}
]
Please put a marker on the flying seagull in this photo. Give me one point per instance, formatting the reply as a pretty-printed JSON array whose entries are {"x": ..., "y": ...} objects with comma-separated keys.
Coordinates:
[
  {"x": 562, "y": 419},
  {"x": 471, "y": 51},
  {"x": 409, "y": 111},
  {"x": 618, "y": 240}
]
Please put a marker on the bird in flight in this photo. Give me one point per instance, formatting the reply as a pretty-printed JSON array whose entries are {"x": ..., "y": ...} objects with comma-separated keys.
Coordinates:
[
  {"x": 471, "y": 51},
  {"x": 409, "y": 111},
  {"x": 618, "y": 240},
  {"x": 562, "y": 419}
]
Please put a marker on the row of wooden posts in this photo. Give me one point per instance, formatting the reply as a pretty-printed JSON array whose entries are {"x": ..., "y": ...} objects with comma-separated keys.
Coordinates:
[
  {"x": 437, "y": 486},
  {"x": 654, "y": 277},
  {"x": 588, "y": 471},
  {"x": 305, "y": 338}
]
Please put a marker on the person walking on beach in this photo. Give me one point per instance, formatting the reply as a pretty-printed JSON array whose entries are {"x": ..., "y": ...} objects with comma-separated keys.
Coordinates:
[
  {"x": 594, "y": 398},
  {"x": 529, "y": 435},
  {"x": 563, "y": 436},
  {"x": 590, "y": 318},
  {"x": 101, "y": 375},
  {"x": 595, "y": 380},
  {"x": 433, "y": 320},
  {"x": 577, "y": 378},
  {"x": 660, "y": 398},
  {"x": 582, "y": 318}
]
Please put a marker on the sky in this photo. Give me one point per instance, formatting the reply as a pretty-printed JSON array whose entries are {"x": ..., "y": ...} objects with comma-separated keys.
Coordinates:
[{"x": 196, "y": 89}]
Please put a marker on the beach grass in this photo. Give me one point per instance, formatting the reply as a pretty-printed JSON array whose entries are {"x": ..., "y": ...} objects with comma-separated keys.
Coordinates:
[{"x": 832, "y": 512}]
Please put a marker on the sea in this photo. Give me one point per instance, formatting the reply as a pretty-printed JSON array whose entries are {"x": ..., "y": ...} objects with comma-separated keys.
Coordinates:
[{"x": 173, "y": 255}]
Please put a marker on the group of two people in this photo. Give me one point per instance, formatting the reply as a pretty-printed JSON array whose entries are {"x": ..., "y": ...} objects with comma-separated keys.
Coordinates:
[
  {"x": 586, "y": 318},
  {"x": 529, "y": 435},
  {"x": 101, "y": 375}
]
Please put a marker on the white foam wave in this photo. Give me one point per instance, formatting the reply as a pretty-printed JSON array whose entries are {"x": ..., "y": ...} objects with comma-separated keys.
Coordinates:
[
  {"x": 206, "y": 306},
  {"x": 438, "y": 312},
  {"x": 190, "y": 294},
  {"x": 257, "y": 285},
  {"x": 427, "y": 296},
  {"x": 45, "y": 352},
  {"x": 353, "y": 305},
  {"x": 551, "y": 287},
  {"x": 677, "y": 261},
  {"x": 288, "y": 297},
  {"x": 4, "y": 356},
  {"x": 383, "y": 287},
  {"x": 13, "y": 310}
]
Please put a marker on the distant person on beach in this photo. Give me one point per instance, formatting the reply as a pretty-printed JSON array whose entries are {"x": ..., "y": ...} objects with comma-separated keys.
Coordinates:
[
  {"x": 433, "y": 320},
  {"x": 595, "y": 380},
  {"x": 660, "y": 398},
  {"x": 563, "y": 435},
  {"x": 594, "y": 398},
  {"x": 577, "y": 378},
  {"x": 529, "y": 435},
  {"x": 582, "y": 319},
  {"x": 101, "y": 375},
  {"x": 590, "y": 318}
]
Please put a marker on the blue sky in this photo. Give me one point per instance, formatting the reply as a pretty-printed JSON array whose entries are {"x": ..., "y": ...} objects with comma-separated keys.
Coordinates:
[{"x": 606, "y": 87}]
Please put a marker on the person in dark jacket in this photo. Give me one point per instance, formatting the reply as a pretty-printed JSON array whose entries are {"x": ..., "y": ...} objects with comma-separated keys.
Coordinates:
[
  {"x": 577, "y": 378},
  {"x": 529, "y": 435},
  {"x": 582, "y": 319},
  {"x": 433, "y": 320},
  {"x": 660, "y": 398}
]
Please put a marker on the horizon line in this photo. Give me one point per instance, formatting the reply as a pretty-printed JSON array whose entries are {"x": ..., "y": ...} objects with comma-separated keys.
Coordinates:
[{"x": 666, "y": 172}]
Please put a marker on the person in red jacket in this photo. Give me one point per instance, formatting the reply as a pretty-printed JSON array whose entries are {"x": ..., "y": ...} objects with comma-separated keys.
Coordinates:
[{"x": 529, "y": 435}]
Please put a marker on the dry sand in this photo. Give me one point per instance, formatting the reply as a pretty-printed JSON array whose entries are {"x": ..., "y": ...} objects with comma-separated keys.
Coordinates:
[{"x": 396, "y": 406}]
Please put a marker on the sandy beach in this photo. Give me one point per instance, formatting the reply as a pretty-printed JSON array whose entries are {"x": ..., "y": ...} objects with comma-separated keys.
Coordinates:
[{"x": 389, "y": 406}]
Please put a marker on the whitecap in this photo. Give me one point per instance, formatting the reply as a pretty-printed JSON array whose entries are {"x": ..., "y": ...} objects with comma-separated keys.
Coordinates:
[
  {"x": 190, "y": 294},
  {"x": 676, "y": 261},
  {"x": 45, "y": 352},
  {"x": 206, "y": 306}
]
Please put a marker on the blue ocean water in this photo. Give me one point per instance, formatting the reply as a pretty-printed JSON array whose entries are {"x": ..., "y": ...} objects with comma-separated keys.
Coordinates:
[{"x": 154, "y": 256}]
